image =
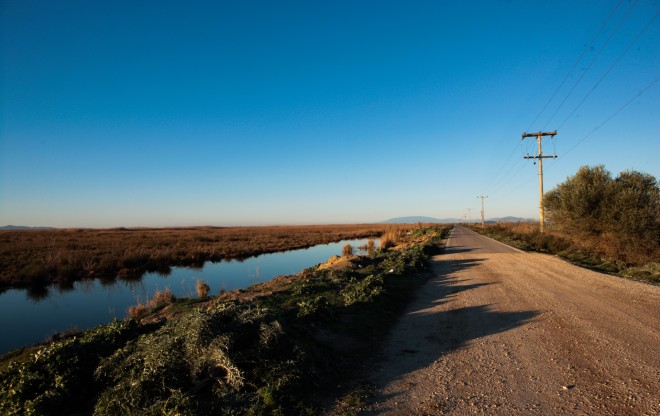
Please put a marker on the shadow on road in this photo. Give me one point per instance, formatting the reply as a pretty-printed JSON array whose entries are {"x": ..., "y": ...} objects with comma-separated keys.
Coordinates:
[
  {"x": 458, "y": 249},
  {"x": 431, "y": 332}
]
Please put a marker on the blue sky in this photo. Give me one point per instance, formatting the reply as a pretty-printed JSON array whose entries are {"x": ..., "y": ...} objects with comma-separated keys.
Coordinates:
[{"x": 165, "y": 113}]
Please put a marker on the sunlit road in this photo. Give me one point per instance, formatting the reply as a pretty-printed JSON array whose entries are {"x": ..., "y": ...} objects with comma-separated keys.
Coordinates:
[
  {"x": 464, "y": 240},
  {"x": 500, "y": 332}
]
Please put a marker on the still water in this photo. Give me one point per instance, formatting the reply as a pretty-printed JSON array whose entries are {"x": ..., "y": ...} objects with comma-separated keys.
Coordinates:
[{"x": 25, "y": 320}]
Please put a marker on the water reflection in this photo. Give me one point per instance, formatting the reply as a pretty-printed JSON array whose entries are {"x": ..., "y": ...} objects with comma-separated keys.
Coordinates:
[
  {"x": 163, "y": 271},
  {"x": 107, "y": 280},
  {"x": 86, "y": 303},
  {"x": 37, "y": 293},
  {"x": 66, "y": 286}
]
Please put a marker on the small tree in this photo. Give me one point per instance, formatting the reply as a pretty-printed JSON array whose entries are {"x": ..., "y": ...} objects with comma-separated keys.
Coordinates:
[
  {"x": 634, "y": 213},
  {"x": 619, "y": 216},
  {"x": 577, "y": 204}
]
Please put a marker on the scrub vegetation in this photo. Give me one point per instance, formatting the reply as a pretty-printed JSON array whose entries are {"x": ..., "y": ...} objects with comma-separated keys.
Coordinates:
[
  {"x": 612, "y": 224},
  {"x": 35, "y": 258},
  {"x": 266, "y": 350}
]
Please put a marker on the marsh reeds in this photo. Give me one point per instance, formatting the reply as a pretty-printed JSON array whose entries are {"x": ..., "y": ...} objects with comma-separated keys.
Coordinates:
[
  {"x": 202, "y": 289},
  {"x": 50, "y": 256},
  {"x": 390, "y": 238},
  {"x": 347, "y": 250},
  {"x": 160, "y": 298},
  {"x": 137, "y": 311}
]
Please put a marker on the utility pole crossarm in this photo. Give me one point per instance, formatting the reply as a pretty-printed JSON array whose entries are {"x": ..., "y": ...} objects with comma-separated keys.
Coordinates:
[{"x": 547, "y": 133}]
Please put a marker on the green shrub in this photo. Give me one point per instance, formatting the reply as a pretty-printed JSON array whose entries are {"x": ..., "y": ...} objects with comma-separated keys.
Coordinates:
[
  {"x": 363, "y": 291},
  {"x": 312, "y": 306},
  {"x": 617, "y": 218},
  {"x": 58, "y": 378},
  {"x": 158, "y": 371}
]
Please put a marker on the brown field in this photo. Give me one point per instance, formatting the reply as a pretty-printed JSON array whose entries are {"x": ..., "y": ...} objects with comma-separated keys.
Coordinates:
[{"x": 39, "y": 257}]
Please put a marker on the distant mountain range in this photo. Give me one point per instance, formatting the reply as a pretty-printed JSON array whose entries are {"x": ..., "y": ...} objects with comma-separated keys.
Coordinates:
[
  {"x": 416, "y": 219},
  {"x": 510, "y": 219},
  {"x": 23, "y": 227}
]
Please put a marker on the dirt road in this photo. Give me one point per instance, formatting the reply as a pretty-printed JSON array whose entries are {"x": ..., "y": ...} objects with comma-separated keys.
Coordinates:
[{"x": 502, "y": 332}]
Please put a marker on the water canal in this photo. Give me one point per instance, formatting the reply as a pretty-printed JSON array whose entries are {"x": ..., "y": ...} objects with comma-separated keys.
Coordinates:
[{"x": 26, "y": 319}]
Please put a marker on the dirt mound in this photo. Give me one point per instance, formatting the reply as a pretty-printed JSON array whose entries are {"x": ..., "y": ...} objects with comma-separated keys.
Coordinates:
[{"x": 338, "y": 263}]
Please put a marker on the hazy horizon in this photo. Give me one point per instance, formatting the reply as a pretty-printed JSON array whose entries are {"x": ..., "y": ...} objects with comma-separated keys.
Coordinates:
[{"x": 418, "y": 218}]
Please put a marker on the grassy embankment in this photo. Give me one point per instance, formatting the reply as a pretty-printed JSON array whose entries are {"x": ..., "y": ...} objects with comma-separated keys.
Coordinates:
[
  {"x": 35, "y": 258},
  {"x": 585, "y": 251},
  {"x": 269, "y": 349}
]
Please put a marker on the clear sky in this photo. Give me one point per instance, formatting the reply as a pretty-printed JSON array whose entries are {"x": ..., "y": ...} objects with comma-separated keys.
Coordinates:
[{"x": 166, "y": 113}]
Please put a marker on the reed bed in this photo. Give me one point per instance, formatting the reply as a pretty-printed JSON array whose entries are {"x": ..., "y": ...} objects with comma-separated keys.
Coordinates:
[{"x": 39, "y": 257}]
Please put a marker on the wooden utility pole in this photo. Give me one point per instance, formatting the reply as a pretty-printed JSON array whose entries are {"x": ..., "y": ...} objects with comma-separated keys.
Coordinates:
[
  {"x": 540, "y": 157},
  {"x": 483, "y": 222},
  {"x": 469, "y": 215}
]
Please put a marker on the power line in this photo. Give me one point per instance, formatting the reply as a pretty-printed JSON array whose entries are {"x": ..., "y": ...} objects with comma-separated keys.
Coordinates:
[
  {"x": 602, "y": 48},
  {"x": 510, "y": 173},
  {"x": 528, "y": 180},
  {"x": 516, "y": 174},
  {"x": 614, "y": 114},
  {"x": 570, "y": 71},
  {"x": 499, "y": 179},
  {"x": 504, "y": 171},
  {"x": 639, "y": 94},
  {"x": 610, "y": 69},
  {"x": 494, "y": 178}
]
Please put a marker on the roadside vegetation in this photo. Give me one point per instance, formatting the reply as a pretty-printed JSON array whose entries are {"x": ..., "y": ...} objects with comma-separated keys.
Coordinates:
[
  {"x": 611, "y": 224},
  {"x": 35, "y": 258},
  {"x": 266, "y": 350}
]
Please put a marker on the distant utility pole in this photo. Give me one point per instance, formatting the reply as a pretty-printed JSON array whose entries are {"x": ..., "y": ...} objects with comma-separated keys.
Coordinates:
[
  {"x": 469, "y": 215},
  {"x": 540, "y": 157},
  {"x": 483, "y": 222}
]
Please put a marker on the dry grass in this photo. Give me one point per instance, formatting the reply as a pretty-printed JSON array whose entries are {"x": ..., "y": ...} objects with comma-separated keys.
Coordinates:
[
  {"x": 159, "y": 299},
  {"x": 41, "y": 256},
  {"x": 202, "y": 289},
  {"x": 601, "y": 252},
  {"x": 347, "y": 250},
  {"x": 138, "y": 311},
  {"x": 370, "y": 247},
  {"x": 391, "y": 237},
  {"x": 606, "y": 245}
]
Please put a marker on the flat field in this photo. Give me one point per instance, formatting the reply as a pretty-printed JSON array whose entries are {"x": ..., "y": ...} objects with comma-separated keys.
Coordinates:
[{"x": 39, "y": 257}]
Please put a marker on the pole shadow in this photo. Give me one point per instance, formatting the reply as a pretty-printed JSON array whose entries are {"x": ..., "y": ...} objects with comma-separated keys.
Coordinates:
[{"x": 457, "y": 249}]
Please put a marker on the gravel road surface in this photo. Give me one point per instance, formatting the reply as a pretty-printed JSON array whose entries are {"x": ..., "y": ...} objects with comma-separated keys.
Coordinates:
[{"x": 498, "y": 331}]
